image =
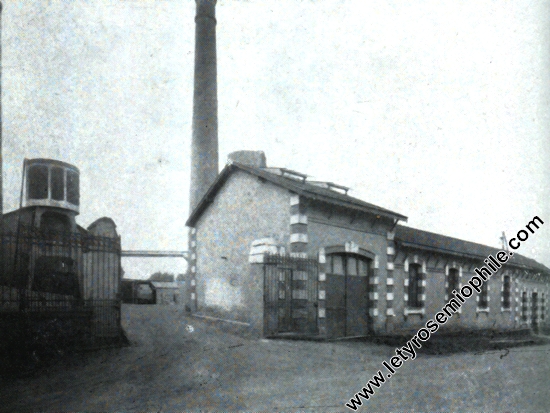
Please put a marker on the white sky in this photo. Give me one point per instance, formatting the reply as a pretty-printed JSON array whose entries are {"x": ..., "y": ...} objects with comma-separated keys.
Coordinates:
[{"x": 439, "y": 110}]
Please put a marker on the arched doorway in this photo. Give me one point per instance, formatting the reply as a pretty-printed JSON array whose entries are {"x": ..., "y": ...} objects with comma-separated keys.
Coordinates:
[{"x": 347, "y": 308}]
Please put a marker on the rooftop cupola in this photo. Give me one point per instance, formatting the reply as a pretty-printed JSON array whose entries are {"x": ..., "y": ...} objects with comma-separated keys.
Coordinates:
[{"x": 52, "y": 183}]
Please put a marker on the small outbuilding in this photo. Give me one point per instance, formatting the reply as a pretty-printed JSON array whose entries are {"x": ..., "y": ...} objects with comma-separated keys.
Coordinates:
[{"x": 167, "y": 293}]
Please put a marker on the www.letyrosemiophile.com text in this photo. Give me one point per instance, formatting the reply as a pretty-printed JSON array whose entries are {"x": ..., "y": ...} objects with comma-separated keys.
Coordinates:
[{"x": 408, "y": 352}]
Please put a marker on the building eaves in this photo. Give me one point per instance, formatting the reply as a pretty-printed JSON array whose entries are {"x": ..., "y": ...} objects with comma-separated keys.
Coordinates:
[{"x": 442, "y": 244}]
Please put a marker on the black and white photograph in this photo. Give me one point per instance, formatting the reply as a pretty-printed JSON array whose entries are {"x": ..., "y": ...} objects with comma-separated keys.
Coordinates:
[{"x": 274, "y": 206}]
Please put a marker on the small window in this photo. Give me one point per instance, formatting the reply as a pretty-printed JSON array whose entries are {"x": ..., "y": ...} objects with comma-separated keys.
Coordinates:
[
  {"x": 415, "y": 280},
  {"x": 363, "y": 268},
  {"x": 57, "y": 184},
  {"x": 484, "y": 296},
  {"x": 352, "y": 266},
  {"x": 38, "y": 182},
  {"x": 337, "y": 265},
  {"x": 452, "y": 282},
  {"x": 506, "y": 288},
  {"x": 524, "y": 306},
  {"x": 347, "y": 264},
  {"x": 73, "y": 192}
]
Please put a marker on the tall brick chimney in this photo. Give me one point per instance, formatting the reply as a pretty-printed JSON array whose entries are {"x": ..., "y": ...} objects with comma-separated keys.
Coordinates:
[{"x": 204, "y": 145}]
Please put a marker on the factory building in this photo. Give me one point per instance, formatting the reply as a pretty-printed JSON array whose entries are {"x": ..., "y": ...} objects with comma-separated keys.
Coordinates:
[
  {"x": 287, "y": 255},
  {"x": 290, "y": 256}
]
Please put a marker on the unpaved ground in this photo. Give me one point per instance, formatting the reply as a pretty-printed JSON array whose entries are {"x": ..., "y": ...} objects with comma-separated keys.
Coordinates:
[{"x": 169, "y": 368}]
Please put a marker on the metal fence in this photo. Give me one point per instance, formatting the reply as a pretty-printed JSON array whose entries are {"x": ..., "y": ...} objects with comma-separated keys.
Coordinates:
[{"x": 68, "y": 279}]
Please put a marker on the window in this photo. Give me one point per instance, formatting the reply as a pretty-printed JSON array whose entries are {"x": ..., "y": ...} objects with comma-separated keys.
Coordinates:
[
  {"x": 337, "y": 265},
  {"x": 506, "y": 288},
  {"x": 452, "y": 282},
  {"x": 524, "y": 306},
  {"x": 542, "y": 306},
  {"x": 57, "y": 180},
  {"x": 351, "y": 266},
  {"x": 415, "y": 280},
  {"x": 347, "y": 265},
  {"x": 363, "y": 268},
  {"x": 483, "y": 301},
  {"x": 73, "y": 193},
  {"x": 534, "y": 308},
  {"x": 38, "y": 182}
]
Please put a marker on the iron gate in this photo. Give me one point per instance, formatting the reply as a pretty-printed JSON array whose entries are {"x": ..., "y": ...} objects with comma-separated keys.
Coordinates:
[
  {"x": 60, "y": 285},
  {"x": 290, "y": 295}
]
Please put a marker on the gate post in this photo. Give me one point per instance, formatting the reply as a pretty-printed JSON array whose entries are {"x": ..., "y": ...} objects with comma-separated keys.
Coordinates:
[{"x": 261, "y": 317}]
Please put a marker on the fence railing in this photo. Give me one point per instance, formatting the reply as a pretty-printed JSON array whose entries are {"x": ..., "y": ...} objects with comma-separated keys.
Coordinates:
[{"x": 62, "y": 274}]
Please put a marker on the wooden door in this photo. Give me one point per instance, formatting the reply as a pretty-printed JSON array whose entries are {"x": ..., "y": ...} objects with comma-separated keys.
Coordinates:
[
  {"x": 356, "y": 297},
  {"x": 347, "y": 296}
]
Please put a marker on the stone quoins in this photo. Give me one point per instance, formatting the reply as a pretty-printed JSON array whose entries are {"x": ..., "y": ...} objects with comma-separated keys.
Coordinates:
[
  {"x": 321, "y": 311},
  {"x": 298, "y": 225},
  {"x": 322, "y": 256},
  {"x": 298, "y": 219}
]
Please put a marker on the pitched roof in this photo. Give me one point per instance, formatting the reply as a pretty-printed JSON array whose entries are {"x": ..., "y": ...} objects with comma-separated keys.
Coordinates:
[
  {"x": 301, "y": 187},
  {"x": 429, "y": 241}
]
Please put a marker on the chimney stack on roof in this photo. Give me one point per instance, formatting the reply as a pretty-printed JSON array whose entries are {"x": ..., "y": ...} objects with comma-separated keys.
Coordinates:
[
  {"x": 256, "y": 159},
  {"x": 204, "y": 145}
]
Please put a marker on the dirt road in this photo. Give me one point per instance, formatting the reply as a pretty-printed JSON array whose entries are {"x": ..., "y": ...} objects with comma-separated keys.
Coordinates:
[{"x": 170, "y": 367}]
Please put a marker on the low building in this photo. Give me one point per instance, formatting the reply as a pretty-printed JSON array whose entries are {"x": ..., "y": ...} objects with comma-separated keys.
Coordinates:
[
  {"x": 291, "y": 256},
  {"x": 152, "y": 292},
  {"x": 137, "y": 291},
  {"x": 167, "y": 293}
]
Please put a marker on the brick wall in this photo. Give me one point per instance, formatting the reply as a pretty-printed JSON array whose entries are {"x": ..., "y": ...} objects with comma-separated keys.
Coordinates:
[{"x": 471, "y": 316}]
